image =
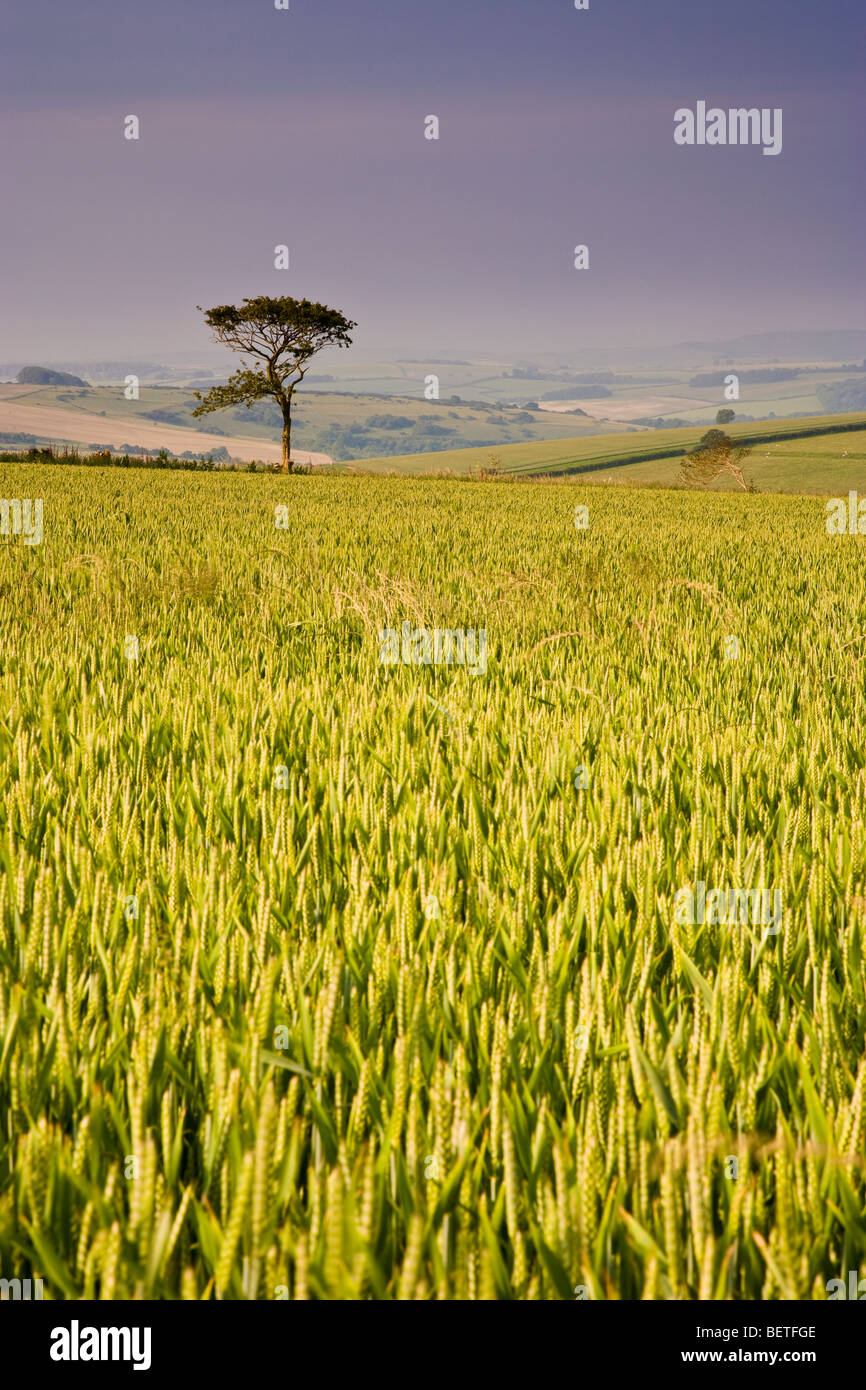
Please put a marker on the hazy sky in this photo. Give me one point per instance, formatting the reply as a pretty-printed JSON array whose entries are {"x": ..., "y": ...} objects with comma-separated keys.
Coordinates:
[{"x": 306, "y": 127}]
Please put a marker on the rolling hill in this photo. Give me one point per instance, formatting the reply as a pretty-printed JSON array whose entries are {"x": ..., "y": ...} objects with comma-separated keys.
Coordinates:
[{"x": 814, "y": 455}]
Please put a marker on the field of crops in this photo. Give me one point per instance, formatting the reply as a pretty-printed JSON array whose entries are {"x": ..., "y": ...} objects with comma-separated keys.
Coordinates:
[{"x": 323, "y": 978}]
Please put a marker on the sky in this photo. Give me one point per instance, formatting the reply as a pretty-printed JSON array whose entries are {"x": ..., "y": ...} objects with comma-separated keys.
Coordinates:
[{"x": 305, "y": 127}]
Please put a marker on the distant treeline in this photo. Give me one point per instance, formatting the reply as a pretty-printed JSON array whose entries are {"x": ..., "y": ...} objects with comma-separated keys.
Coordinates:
[
  {"x": 757, "y": 375},
  {"x": 533, "y": 373},
  {"x": 104, "y": 458},
  {"x": 30, "y": 439},
  {"x": 663, "y": 422},
  {"x": 45, "y": 376},
  {"x": 840, "y": 397},
  {"x": 576, "y": 393}
]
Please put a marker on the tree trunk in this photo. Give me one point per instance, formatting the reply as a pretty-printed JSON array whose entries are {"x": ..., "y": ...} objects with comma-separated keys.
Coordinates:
[
  {"x": 286, "y": 465},
  {"x": 286, "y": 407}
]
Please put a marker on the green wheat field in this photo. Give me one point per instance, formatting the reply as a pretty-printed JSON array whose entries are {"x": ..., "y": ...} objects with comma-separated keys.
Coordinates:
[{"x": 328, "y": 979}]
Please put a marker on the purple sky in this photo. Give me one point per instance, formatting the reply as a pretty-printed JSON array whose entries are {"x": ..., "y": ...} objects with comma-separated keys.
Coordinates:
[{"x": 306, "y": 127}]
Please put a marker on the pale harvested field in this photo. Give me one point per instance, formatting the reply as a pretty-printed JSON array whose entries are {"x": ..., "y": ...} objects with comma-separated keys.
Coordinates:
[
  {"x": 17, "y": 417},
  {"x": 631, "y": 408}
]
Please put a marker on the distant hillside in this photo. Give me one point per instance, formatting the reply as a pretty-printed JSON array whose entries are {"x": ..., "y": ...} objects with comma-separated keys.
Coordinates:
[
  {"x": 809, "y": 455},
  {"x": 810, "y": 345},
  {"x": 44, "y": 376},
  {"x": 843, "y": 395}
]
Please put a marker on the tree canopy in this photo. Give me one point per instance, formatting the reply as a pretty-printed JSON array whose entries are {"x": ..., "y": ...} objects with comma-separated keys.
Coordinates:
[
  {"x": 715, "y": 454},
  {"x": 282, "y": 334}
]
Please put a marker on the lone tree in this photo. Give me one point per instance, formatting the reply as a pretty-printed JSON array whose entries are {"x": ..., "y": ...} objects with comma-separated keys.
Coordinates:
[
  {"x": 725, "y": 416},
  {"x": 283, "y": 334},
  {"x": 715, "y": 454}
]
